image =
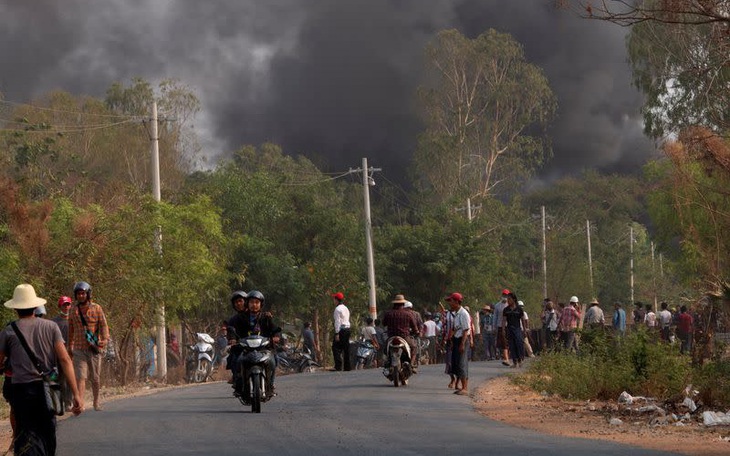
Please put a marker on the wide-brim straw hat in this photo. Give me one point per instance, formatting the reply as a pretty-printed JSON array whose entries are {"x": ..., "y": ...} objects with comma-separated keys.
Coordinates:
[
  {"x": 399, "y": 299},
  {"x": 24, "y": 297}
]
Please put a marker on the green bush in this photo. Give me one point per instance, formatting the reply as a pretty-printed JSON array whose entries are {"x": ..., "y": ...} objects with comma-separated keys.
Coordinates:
[{"x": 607, "y": 366}]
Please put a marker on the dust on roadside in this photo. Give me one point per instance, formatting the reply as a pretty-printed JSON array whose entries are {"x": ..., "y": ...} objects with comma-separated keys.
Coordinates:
[{"x": 501, "y": 400}]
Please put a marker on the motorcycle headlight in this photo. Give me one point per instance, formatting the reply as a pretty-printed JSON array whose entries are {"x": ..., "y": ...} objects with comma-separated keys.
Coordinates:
[{"x": 255, "y": 342}]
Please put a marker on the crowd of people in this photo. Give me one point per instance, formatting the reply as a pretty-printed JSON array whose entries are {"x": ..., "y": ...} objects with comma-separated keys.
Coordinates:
[{"x": 507, "y": 334}]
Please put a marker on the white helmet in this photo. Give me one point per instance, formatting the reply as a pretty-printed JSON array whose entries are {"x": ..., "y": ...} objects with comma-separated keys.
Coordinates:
[
  {"x": 40, "y": 311},
  {"x": 408, "y": 305},
  {"x": 574, "y": 299},
  {"x": 520, "y": 303}
]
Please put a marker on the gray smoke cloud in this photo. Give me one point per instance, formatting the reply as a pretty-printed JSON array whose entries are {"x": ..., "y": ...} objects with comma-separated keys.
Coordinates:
[{"x": 330, "y": 79}]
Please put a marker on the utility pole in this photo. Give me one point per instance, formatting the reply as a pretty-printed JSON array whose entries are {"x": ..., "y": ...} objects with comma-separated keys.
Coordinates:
[
  {"x": 161, "y": 336},
  {"x": 653, "y": 276},
  {"x": 544, "y": 255},
  {"x": 631, "y": 261},
  {"x": 468, "y": 208},
  {"x": 590, "y": 258},
  {"x": 367, "y": 181}
]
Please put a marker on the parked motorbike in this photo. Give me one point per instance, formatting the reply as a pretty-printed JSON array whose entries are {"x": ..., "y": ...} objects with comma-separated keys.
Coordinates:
[
  {"x": 398, "y": 367},
  {"x": 290, "y": 361},
  {"x": 199, "y": 362},
  {"x": 365, "y": 354},
  {"x": 255, "y": 353}
]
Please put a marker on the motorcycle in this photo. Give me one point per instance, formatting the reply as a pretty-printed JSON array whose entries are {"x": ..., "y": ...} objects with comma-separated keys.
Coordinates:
[
  {"x": 290, "y": 361},
  {"x": 255, "y": 353},
  {"x": 365, "y": 354},
  {"x": 199, "y": 362},
  {"x": 398, "y": 367}
]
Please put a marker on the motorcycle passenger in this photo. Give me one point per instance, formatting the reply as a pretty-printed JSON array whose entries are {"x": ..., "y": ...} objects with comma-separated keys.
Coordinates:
[
  {"x": 403, "y": 323},
  {"x": 252, "y": 321},
  {"x": 238, "y": 302}
]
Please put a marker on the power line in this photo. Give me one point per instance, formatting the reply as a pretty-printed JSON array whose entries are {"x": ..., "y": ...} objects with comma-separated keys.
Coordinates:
[
  {"x": 67, "y": 129},
  {"x": 83, "y": 113}
]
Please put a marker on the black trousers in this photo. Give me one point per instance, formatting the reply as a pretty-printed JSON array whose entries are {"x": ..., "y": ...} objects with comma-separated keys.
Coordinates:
[
  {"x": 35, "y": 425},
  {"x": 341, "y": 350}
]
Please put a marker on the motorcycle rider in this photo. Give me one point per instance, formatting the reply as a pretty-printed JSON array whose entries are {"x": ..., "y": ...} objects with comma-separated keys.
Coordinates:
[
  {"x": 253, "y": 321},
  {"x": 403, "y": 323}
]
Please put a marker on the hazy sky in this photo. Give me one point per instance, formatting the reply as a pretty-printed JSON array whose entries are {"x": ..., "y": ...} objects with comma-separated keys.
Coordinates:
[{"x": 334, "y": 80}]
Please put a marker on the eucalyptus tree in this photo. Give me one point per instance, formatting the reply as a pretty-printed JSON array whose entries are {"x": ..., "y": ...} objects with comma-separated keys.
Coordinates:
[{"x": 484, "y": 108}]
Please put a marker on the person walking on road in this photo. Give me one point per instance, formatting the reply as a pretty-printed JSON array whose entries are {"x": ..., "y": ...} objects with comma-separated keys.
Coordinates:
[
  {"x": 459, "y": 339},
  {"x": 88, "y": 335},
  {"x": 513, "y": 321},
  {"x": 341, "y": 341},
  {"x": 33, "y": 419}
]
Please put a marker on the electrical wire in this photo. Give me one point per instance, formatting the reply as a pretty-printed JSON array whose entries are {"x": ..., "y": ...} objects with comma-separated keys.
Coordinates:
[
  {"x": 41, "y": 108},
  {"x": 69, "y": 129}
]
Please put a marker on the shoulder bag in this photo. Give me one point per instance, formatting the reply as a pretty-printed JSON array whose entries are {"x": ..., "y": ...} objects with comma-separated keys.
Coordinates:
[
  {"x": 91, "y": 338},
  {"x": 51, "y": 387}
]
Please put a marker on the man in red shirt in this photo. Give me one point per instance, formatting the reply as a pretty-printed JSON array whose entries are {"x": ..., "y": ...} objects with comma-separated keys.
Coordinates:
[
  {"x": 403, "y": 323},
  {"x": 685, "y": 329}
]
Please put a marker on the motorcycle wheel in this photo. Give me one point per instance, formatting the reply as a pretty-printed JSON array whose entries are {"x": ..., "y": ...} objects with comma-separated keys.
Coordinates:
[
  {"x": 308, "y": 368},
  {"x": 201, "y": 374},
  {"x": 256, "y": 380},
  {"x": 395, "y": 370}
]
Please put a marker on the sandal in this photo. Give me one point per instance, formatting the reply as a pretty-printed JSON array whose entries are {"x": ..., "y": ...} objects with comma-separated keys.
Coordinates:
[{"x": 462, "y": 392}]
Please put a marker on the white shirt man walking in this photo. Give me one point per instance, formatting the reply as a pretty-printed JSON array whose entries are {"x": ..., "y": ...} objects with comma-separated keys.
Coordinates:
[{"x": 341, "y": 342}]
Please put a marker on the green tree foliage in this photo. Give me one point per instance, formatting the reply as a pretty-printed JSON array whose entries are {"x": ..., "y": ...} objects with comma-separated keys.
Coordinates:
[
  {"x": 482, "y": 111},
  {"x": 612, "y": 204},
  {"x": 94, "y": 151},
  {"x": 682, "y": 67},
  {"x": 297, "y": 240},
  {"x": 689, "y": 203}
]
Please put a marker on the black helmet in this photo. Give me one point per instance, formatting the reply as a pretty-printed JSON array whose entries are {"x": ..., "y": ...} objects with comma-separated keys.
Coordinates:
[
  {"x": 83, "y": 286},
  {"x": 255, "y": 294},
  {"x": 237, "y": 294}
]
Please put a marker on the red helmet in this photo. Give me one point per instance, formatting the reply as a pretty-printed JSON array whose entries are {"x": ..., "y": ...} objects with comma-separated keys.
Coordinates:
[{"x": 64, "y": 300}]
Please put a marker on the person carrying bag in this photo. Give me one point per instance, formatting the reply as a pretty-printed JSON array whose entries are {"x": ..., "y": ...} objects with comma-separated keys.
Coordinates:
[
  {"x": 51, "y": 386},
  {"x": 32, "y": 396}
]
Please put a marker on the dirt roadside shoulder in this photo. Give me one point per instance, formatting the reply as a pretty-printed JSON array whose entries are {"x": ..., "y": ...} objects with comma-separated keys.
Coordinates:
[{"x": 500, "y": 400}]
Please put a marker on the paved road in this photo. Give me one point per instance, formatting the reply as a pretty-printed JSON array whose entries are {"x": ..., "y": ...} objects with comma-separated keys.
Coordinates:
[{"x": 325, "y": 413}]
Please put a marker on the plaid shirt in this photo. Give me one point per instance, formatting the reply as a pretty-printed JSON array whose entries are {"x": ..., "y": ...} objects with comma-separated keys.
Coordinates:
[
  {"x": 96, "y": 322},
  {"x": 400, "y": 322},
  {"x": 569, "y": 319}
]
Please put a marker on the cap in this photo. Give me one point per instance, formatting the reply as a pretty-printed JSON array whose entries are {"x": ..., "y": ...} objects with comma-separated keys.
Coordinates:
[
  {"x": 506, "y": 292},
  {"x": 408, "y": 305},
  {"x": 574, "y": 299},
  {"x": 338, "y": 296},
  {"x": 455, "y": 297}
]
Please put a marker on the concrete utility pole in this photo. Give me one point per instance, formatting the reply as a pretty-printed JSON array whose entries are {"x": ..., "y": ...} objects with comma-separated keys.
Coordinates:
[
  {"x": 653, "y": 276},
  {"x": 468, "y": 208},
  {"x": 544, "y": 255},
  {"x": 161, "y": 336},
  {"x": 590, "y": 257},
  {"x": 631, "y": 261},
  {"x": 367, "y": 181}
]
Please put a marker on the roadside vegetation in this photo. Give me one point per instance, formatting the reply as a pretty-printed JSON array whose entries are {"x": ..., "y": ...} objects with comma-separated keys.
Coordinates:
[{"x": 638, "y": 364}]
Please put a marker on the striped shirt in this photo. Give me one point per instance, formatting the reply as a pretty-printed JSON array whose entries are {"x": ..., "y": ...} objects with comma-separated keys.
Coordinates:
[{"x": 96, "y": 322}]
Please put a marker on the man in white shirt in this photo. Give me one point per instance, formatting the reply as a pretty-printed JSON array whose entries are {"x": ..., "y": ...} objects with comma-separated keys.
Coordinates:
[
  {"x": 429, "y": 332},
  {"x": 341, "y": 342},
  {"x": 665, "y": 322},
  {"x": 459, "y": 340}
]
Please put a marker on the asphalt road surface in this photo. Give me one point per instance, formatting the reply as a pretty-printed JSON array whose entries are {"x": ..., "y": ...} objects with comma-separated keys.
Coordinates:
[{"x": 324, "y": 413}]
